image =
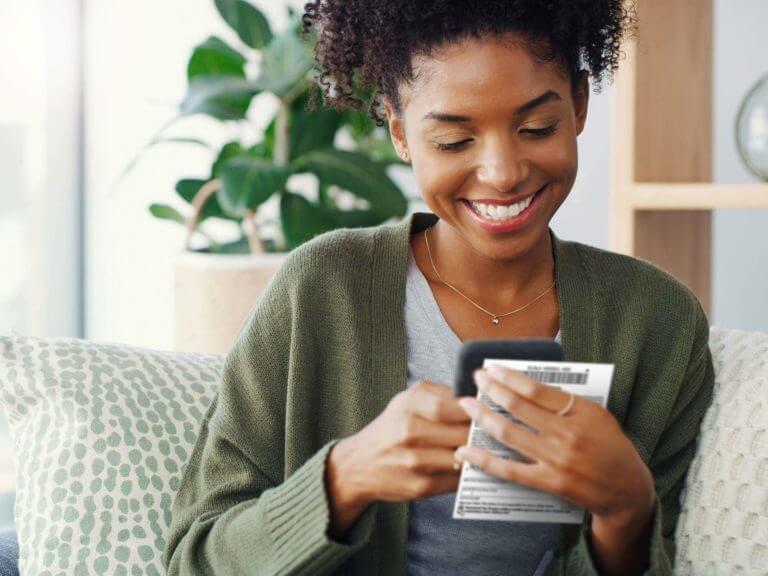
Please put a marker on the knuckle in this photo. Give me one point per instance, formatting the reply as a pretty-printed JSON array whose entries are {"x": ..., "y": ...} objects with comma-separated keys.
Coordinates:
[
  {"x": 529, "y": 389},
  {"x": 507, "y": 435},
  {"x": 422, "y": 487},
  {"x": 567, "y": 460},
  {"x": 573, "y": 439},
  {"x": 430, "y": 409},
  {"x": 399, "y": 399},
  {"x": 408, "y": 430},
  {"x": 570, "y": 455},
  {"x": 419, "y": 387},
  {"x": 558, "y": 484},
  {"x": 511, "y": 400},
  {"x": 440, "y": 409},
  {"x": 411, "y": 461}
]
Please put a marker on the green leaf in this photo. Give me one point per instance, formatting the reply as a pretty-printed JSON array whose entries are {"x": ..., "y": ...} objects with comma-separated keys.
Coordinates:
[
  {"x": 358, "y": 174},
  {"x": 247, "y": 182},
  {"x": 234, "y": 148},
  {"x": 214, "y": 57},
  {"x": 360, "y": 124},
  {"x": 217, "y": 83},
  {"x": 229, "y": 150},
  {"x": 165, "y": 212},
  {"x": 188, "y": 188},
  {"x": 312, "y": 129},
  {"x": 239, "y": 246},
  {"x": 261, "y": 150},
  {"x": 295, "y": 22},
  {"x": 357, "y": 218},
  {"x": 223, "y": 97},
  {"x": 195, "y": 141},
  {"x": 309, "y": 129},
  {"x": 285, "y": 62},
  {"x": 247, "y": 21},
  {"x": 301, "y": 220}
]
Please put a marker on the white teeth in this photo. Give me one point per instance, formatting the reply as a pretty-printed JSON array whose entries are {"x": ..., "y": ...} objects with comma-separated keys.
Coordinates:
[{"x": 499, "y": 213}]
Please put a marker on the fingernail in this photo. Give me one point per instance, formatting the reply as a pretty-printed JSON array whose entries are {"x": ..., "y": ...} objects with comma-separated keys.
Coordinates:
[
  {"x": 459, "y": 454},
  {"x": 497, "y": 371},
  {"x": 469, "y": 405},
  {"x": 481, "y": 379}
]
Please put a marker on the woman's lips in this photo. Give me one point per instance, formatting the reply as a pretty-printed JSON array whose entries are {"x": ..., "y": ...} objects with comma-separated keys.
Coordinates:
[{"x": 510, "y": 225}]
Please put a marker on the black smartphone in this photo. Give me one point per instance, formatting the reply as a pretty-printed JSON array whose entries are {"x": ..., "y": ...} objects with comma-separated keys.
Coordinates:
[{"x": 473, "y": 353}]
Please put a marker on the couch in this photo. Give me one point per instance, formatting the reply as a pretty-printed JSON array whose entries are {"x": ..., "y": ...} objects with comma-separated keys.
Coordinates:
[{"x": 102, "y": 433}]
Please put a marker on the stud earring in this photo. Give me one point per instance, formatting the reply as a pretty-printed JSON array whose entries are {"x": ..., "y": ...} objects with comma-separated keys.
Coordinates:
[{"x": 405, "y": 155}]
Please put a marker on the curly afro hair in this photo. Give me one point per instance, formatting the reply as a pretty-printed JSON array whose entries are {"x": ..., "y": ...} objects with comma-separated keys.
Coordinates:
[{"x": 363, "y": 45}]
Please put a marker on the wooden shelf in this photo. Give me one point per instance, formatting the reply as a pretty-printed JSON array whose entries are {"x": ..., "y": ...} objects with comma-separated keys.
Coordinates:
[
  {"x": 698, "y": 196},
  {"x": 661, "y": 193}
]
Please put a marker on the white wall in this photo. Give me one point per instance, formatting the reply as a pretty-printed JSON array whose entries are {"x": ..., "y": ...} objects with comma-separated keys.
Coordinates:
[
  {"x": 135, "y": 75},
  {"x": 136, "y": 55},
  {"x": 740, "y": 283}
]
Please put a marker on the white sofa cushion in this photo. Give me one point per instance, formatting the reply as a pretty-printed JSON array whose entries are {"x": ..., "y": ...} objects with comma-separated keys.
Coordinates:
[{"x": 723, "y": 526}]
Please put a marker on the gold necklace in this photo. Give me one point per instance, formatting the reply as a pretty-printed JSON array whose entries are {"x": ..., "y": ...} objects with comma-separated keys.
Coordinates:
[{"x": 494, "y": 317}]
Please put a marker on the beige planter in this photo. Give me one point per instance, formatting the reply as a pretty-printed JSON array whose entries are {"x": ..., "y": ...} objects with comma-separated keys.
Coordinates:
[{"x": 213, "y": 295}]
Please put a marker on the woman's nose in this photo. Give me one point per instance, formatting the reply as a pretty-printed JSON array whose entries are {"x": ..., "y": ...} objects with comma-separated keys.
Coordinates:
[{"x": 502, "y": 168}]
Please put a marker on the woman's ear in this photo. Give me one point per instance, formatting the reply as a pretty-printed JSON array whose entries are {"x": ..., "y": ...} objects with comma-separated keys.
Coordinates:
[
  {"x": 581, "y": 100},
  {"x": 396, "y": 128}
]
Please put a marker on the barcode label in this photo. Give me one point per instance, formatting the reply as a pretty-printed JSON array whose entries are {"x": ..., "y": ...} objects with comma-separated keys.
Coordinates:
[{"x": 558, "y": 377}]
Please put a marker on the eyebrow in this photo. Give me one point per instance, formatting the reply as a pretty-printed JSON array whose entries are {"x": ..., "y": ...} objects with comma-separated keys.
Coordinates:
[{"x": 547, "y": 96}]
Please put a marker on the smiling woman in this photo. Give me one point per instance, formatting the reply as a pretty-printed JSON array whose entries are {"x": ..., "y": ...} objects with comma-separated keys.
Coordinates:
[
  {"x": 330, "y": 447},
  {"x": 486, "y": 104}
]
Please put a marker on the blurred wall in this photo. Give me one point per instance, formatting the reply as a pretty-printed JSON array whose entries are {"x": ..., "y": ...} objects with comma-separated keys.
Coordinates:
[
  {"x": 135, "y": 63},
  {"x": 740, "y": 282},
  {"x": 136, "y": 55}
]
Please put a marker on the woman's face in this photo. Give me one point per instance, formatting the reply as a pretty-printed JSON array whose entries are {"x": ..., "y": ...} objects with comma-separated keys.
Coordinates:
[{"x": 488, "y": 125}]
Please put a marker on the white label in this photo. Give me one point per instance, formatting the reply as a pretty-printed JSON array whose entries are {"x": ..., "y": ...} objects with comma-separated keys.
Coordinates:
[{"x": 485, "y": 497}]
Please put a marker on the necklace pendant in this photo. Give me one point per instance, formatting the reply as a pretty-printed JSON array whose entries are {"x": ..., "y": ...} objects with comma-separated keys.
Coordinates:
[{"x": 495, "y": 320}]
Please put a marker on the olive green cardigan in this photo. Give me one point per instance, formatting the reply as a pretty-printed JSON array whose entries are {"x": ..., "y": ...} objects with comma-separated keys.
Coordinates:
[{"x": 324, "y": 350}]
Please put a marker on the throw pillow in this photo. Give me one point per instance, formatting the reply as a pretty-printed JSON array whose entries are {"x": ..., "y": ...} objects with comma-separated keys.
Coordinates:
[{"x": 101, "y": 434}]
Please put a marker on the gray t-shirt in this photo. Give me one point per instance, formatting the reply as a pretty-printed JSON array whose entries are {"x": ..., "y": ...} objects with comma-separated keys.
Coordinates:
[{"x": 437, "y": 544}]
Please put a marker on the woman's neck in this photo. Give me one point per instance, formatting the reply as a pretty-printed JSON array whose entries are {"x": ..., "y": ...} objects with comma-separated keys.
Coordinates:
[{"x": 498, "y": 283}]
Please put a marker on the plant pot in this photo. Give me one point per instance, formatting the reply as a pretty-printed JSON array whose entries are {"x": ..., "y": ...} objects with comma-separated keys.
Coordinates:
[{"x": 213, "y": 295}]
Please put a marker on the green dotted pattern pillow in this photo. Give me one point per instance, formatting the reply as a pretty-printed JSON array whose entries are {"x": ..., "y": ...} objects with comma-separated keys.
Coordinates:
[{"x": 101, "y": 435}]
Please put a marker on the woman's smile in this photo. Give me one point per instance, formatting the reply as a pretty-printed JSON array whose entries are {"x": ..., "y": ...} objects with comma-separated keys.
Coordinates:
[{"x": 499, "y": 216}]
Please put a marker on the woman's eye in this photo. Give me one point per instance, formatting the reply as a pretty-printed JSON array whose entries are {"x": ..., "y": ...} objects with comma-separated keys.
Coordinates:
[
  {"x": 541, "y": 132},
  {"x": 451, "y": 145}
]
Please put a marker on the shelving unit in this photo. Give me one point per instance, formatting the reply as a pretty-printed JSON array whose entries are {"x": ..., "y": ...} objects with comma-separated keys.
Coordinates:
[{"x": 662, "y": 196}]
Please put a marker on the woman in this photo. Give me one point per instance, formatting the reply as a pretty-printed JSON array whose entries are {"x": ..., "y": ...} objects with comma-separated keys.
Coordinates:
[{"x": 330, "y": 447}]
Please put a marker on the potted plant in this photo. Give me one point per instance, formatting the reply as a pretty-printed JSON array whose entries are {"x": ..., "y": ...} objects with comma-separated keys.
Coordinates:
[{"x": 217, "y": 284}]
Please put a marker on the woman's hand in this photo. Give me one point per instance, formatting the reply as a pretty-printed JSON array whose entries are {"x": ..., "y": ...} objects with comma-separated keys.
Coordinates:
[
  {"x": 406, "y": 453},
  {"x": 583, "y": 456}
]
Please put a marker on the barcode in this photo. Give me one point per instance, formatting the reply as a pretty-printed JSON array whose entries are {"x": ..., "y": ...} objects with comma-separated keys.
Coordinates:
[{"x": 558, "y": 377}]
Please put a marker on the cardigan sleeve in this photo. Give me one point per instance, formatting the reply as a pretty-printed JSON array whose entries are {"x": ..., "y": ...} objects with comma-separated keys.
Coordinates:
[
  {"x": 235, "y": 511},
  {"x": 668, "y": 464}
]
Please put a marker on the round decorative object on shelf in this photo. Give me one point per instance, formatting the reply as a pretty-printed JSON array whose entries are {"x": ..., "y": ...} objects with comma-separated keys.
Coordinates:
[{"x": 752, "y": 129}]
